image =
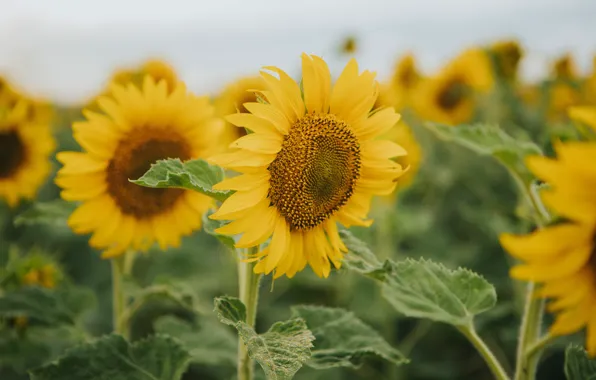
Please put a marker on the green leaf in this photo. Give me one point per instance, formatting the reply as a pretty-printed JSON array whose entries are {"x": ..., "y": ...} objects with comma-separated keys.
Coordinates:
[
  {"x": 343, "y": 340},
  {"x": 111, "y": 357},
  {"x": 209, "y": 343},
  {"x": 55, "y": 212},
  {"x": 48, "y": 307},
  {"x": 360, "y": 259},
  {"x": 491, "y": 140},
  {"x": 195, "y": 175},
  {"x": 210, "y": 225},
  {"x": 578, "y": 366},
  {"x": 424, "y": 289},
  {"x": 280, "y": 351}
]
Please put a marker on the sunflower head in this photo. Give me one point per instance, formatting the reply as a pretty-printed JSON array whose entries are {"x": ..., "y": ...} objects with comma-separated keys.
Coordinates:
[
  {"x": 136, "y": 128},
  {"x": 450, "y": 96},
  {"x": 507, "y": 56},
  {"x": 25, "y": 148},
  {"x": 564, "y": 68},
  {"x": 561, "y": 96},
  {"x": 232, "y": 100},
  {"x": 406, "y": 75},
  {"x": 313, "y": 160}
]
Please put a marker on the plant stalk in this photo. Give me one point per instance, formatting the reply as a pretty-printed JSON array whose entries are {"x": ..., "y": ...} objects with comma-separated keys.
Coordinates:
[
  {"x": 118, "y": 301},
  {"x": 493, "y": 363},
  {"x": 248, "y": 283}
]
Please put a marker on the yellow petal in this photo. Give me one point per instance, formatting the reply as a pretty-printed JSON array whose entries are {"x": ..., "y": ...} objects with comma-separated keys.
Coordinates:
[
  {"x": 271, "y": 114},
  {"x": 562, "y": 266},
  {"x": 243, "y": 182},
  {"x": 258, "y": 233},
  {"x": 241, "y": 158},
  {"x": 267, "y": 144},
  {"x": 79, "y": 163},
  {"x": 291, "y": 91},
  {"x": 569, "y": 321},
  {"x": 278, "y": 248},
  {"x": 252, "y": 122},
  {"x": 381, "y": 149},
  {"x": 585, "y": 115},
  {"x": 240, "y": 201},
  {"x": 377, "y": 124}
]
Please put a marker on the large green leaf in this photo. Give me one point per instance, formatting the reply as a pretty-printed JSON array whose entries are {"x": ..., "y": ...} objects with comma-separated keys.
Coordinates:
[
  {"x": 48, "y": 307},
  {"x": 343, "y": 340},
  {"x": 280, "y": 351},
  {"x": 195, "y": 175},
  {"x": 491, "y": 140},
  {"x": 422, "y": 288},
  {"x": 578, "y": 366},
  {"x": 111, "y": 357},
  {"x": 54, "y": 212},
  {"x": 208, "y": 343}
]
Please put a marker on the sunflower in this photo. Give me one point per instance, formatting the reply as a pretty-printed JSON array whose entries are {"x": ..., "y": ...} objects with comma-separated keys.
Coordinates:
[
  {"x": 349, "y": 45},
  {"x": 506, "y": 58},
  {"x": 232, "y": 100},
  {"x": 156, "y": 69},
  {"x": 38, "y": 111},
  {"x": 139, "y": 127},
  {"x": 450, "y": 97},
  {"x": 311, "y": 161},
  {"x": 25, "y": 148},
  {"x": 564, "y": 68},
  {"x": 561, "y": 257}
]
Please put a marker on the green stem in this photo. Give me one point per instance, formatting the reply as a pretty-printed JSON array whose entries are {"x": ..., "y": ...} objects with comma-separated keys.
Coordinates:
[
  {"x": 118, "y": 302},
  {"x": 248, "y": 283},
  {"x": 495, "y": 367},
  {"x": 540, "y": 345}
]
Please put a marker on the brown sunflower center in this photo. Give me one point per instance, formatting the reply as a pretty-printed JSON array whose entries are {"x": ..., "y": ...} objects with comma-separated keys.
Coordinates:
[
  {"x": 452, "y": 94},
  {"x": 315, "y": 171},
  {"x": 132, "y": 158},
  {"x": 12, "y": 153}
]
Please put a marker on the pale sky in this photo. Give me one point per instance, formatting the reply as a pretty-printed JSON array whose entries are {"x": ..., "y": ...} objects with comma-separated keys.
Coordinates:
[{"x": 65, "y": 49}]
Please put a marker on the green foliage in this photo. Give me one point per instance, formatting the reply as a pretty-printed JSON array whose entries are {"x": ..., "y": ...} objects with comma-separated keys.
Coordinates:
[
  {"x": 48, "y": 307},
  {"x": 196, "y": 175},
  {"x": 578, "y": 366},
  {"x": 280, "y": 351},
  {"x": 210, "y": 225},
  {"x": 113, "y": 358},
  {"x": 54, "y": 212},
  {"x": 424, "y": 289},
  {"x": 491, "y": 140},
  {"x": 209, "y": 342},
  {"x": 343, "y": 340}
]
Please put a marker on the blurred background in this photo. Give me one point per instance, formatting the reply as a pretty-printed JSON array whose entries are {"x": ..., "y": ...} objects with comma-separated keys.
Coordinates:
[{"x": 66, "y": 51}]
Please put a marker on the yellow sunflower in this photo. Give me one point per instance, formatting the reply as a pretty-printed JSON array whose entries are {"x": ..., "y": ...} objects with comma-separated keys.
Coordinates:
[
  {"x": 349, "y": 45},
  {"x": 156, "y": 69},
  {"x": 561, "y": 257},
  {"x": 232, "y": 100},
  {"x": 506, "y": 57},
  {"x": 450, "y": 97},
  {"x": 38, "y": 111},
  {"x": 25, "y": 148},
  {"x": 139, "y": 127},
  {"x": 564, "y": 68},
  {"x": 590, "y": 85},
  {"x": 404, "y": 81},
  {"x": 312, "y": 160}
]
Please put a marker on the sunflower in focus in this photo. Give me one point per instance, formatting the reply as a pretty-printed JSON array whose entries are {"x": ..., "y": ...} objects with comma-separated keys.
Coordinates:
[
  {"x": 561, "y": 257},
  {"x": 506, "y": 58},
  {"x": 25, "y": 148},
  {"x": 137, "y": 128},
  {"x": 231, "y": 100},
  {"x": 404, "y": 81},
  {"x": 312, "y": 160},
  {"x": 450, "y": 97}
]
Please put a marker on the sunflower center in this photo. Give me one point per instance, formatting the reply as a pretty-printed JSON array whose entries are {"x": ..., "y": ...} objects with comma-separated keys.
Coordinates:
[
  {"x": 452, "y": 94},
  {"x": 132, "y": 158},
  {"x": 314, "y": 173},
  {"x": 12, "y": 153}
]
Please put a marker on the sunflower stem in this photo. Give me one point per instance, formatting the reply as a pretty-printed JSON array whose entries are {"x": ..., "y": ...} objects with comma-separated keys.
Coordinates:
[
  {"x": 248, "y": 282},
  {"x": 531, "y": 325},
  {"x": 118, "y": 303},
  {"x": 493, "y": 363}
]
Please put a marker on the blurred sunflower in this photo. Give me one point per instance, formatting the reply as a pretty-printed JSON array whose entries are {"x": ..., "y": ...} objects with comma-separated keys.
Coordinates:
[
  {"x": 403, "y": 135},
  {"x": 37, "y": 110},
  {"x": 590, "y": 85},
  {"x": 562, "y": 256},
  {"x": 25, "y": 148},
  {"x": 404, "y": 81},
  {"x": 506, "y": 58},
  {"x": 450, "y": 97},
  {"x": 232, "y": 100},
  {"x": 140, "y": 126},
  {"x": 311, "y": 161},
  {"x": 156, "y": 69},
  {"x": 564, "y": 68},
  {"x": 349, "y": 45}
]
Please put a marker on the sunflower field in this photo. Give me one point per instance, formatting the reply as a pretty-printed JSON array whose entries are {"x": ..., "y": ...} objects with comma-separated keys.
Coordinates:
[{"x": 306, "y": 224}]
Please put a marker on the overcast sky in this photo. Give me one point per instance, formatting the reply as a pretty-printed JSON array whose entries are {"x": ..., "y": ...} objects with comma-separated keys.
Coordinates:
[{"x": 65, "y": 49}]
